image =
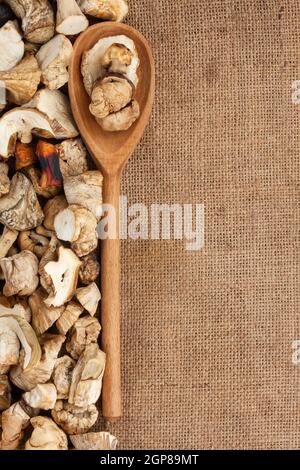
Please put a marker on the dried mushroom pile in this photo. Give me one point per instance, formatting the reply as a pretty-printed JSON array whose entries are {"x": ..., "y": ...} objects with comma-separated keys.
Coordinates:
[{"x": 51, "y": 366}]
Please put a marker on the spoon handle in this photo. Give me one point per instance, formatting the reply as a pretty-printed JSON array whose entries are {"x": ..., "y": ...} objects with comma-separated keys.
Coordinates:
[{"x": 110, "y": 307}]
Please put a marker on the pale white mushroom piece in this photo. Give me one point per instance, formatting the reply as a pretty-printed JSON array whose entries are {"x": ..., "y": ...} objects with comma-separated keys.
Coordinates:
[
  {"x": 10, "y": 56},
  {"x": 41, "y": 373},
  {"x": 111, "y": 10},
  {"x": 89, "y": 297},
  {"x": 72, "y": 157},
  {"x": 70, "y": 315},
  {"x": 21, "y": 82},
  {"x": 7, "y": 240},
  {"x": 37, "y": 19},
  {"x": 122, "y": 120},
  {"x": 20, "y": 273},
  {"x": 21, "y": 123},
  {"x": 77, "y": 225},
  {"x": 87, "y": 376},
  {"x": 69, "y": 18},
  {"x": 54, "y": 58},
  {"x": 103, "y": 58},
  {"x": 74, "y": 419},
  {"x": 46, "y": 435},
  {"x": 62, "y": 376},
  {"x": 43, "y": 316},
  {"x": 13, "y": 421},
  {"x": 94, "y": 441},
  {"x": 52, "y": 208},
  {"x": 9, "y": 346},
  {"x": 85, "y": 331},
  {"x": 43, "y": 397},
  {"x": 110, "y": 95},
  {"x": 64, "y": 275},
  {"x": 56, "y": 107},
  {"x": 4, "y": 179},
  {"x": 20, "y": 208},
  {"x": 5, "y": 395},
  {"x": 85, "y": 190}
]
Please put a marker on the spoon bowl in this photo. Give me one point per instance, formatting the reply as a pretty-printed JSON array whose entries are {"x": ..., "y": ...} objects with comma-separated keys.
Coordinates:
[{"x": 110, "y": 152}]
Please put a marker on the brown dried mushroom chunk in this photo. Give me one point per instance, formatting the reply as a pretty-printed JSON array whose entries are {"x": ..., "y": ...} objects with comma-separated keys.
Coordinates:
[
  {"x": 89, "y": 297},
  {"x": 46, "y": 435},
  {"x": 4, "y": 179},
  {"x": 90, "y": 269},
  {"x": 14, "y": 420},
  {"x": 85, "y": 190},
  {"x": 20, "y": 273},
  {"x": 52, "y": 208},
  {"x": 94, "y": 441},
  {"x": 32, "y": 241},
  {"x": 7, "y": 240},
  {"x": 50, "y": 255},
  {"x": 71, "y": 314},
  {"x": 112, "y": 10},
  {"x": 43, "y": 397},
  {"x": 85, "y": 331},
  {"x": 122, "y": 120},
  {"x": 5, "y": 395},
  {"x": 69, "y": 18},
  {"x": 10, "y": 56},
  {"x": 73, "y": 419},
  {"x": 110, "y": 95},
  {"x": 43, "y": 316},
  {"x": 62, "y": 376},
  {"x": 73, "y": 157}
]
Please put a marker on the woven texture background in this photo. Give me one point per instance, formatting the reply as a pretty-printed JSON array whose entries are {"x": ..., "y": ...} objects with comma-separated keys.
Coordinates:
[{"x": 207, "y": 336}]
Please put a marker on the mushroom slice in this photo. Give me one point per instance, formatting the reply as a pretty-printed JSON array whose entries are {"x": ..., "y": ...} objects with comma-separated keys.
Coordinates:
[
  {"x": 112, "y": 10},
  {"x": 4, "y": 179},
  {"x": 73, "y": 157},
  {"x": 21, "y": 123},
  {"x": 85, "y": 331},
  {"x": 37, "y": 19},
  {"x": 89, "y": 297},
  {"x": 46, "y": 435},
  {"x": 64, "y": 275},
  {"x": 54, "y": 58},
  {"x": 19, "y": 329},
  {"x": 20, "y": 273},
  {"x": 21, "y": 82},
  {"x": 52, "y": 208},
  {"x": 56, "y": 107},
  {"x": 10, "y": 56},
  {"x": 14, "y": 420},
  {"x": 43, "y": 316},
  {"x": 5, "y": 395},
  {"x": 109, "y": 95},
  {"x": 43, "y": 397},
  {"x": 41, "y": 373},
  {"x": 20, "y": 208},
  {"x": 62, "y": 376},
  {"x": 71, "y": 314},
  {"x": 73, "y": 419},
  {"x": 69, "y": 19},
  {"x": 85, "y": 190},
  {"x": 87, "y": 377},
  {"x": 50, "y": 255},
  {"x": 89, "y": 269},
  {"x": 78, "y": 226},
  {"x": 94, "y": 441},
  {"x": 7, "y": 240},
  {"x": 95, "y": 62},
  {"x": 122, "y": 120}
]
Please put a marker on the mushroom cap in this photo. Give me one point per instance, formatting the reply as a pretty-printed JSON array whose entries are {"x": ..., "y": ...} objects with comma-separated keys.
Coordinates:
[
  {"x": 110, "y": 95},
  {"x": 94, "y": 441},
  {"x": 46, "y": 435},
  {"x": 74, "y": 419},
  {"x": 20, "y": 273},
  {"x": 92, "y": 68},
  {"x": 112, "y": 10},
  {"x": 122, "y": 120}
]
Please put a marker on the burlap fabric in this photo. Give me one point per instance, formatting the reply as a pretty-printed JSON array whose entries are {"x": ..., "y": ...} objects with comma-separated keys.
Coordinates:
[{"x": 207, "y": 336}]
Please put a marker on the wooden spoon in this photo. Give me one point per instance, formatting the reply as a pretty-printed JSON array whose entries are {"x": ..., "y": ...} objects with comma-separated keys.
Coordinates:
[{"x": 110, "y": 151}]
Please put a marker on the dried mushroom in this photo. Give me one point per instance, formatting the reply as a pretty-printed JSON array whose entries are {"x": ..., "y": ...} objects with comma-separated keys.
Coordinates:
[
  {"x": 10, "y": 56},
  {"x": 37, "y": 19},
  {"x": 69, "y": 19},
  {"x": 89, "y": 297},
  {"x": 7, "y": 240},
  {"x": 5, "y": 395},
  {"x": 85, "y": 190},
  {"x": 73, "y": 419},
  {"x": 52, "y": 208},
  {"x": 64, "y": 275},
  {"x": 4, "y": 179},
  {"x": 62, "y": 376},
  {"x": 20, "y": 273},
  {"x": 20, "y": 208},
  {"x": 122, "y": 120},
  {"x": 87, "y": 377},
  {"x": 32, "y": 241},
  {"x": 94, "y": 441},
  {"x": 89, "y": 269},
  {"x": 50, "y": 255},
  {"x": 85, "y": 331},
  {"x": 73, "y": 157},
  {"x": 110, "y": 95},
  {"x": 78, "y": 226},
  {"x": 43, "y": 397},
  {"x": 43, "y": 316},
  {"x": 112, "y": 10},
  {"x": 42, "y": 371},
  {"x": 25, "y": 155},
  {"x": 14, "y": 420},
  {"x": 21, "y": 82},
  {"x": 54, "y": 58},
  {"x": 70, "y": 315},
  {"x": 46, "y": 435}
]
